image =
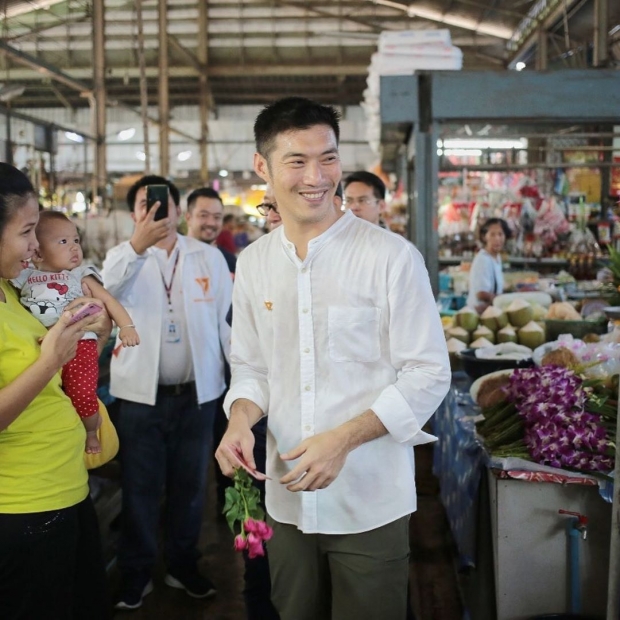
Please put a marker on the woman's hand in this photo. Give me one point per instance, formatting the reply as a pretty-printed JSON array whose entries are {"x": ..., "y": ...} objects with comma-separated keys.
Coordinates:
[
  {"x": 60, "y": 343},
  {"x": 99, "y": 323}
]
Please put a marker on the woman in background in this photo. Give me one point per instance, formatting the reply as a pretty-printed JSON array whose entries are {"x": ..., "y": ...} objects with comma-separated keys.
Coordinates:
[
  {"x": 51, "y": 564},
  {"x": 486, "y": 279}
]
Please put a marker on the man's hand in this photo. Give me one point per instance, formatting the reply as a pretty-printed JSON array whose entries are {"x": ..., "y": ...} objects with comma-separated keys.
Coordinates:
[
  {"x": 320, "y": 460},
  {"x": 148, "y": 232},
  {"x": 323, "y": 456},
  {"x": 238, "y": 438}
]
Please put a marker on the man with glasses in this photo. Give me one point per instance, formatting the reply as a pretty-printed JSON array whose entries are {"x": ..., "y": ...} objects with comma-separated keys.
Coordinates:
[
  {"x": 269, "y": 210},
  {"x": 205, "y": 218},
  {"x": 364, "y": 194}
]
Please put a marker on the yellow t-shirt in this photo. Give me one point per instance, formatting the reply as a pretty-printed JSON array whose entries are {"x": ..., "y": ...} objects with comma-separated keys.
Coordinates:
[{"x": 42, "y": 451}]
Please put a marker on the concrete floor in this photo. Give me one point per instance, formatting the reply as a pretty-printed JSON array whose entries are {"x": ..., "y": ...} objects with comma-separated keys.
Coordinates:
[{"x": 434, "y": 582}]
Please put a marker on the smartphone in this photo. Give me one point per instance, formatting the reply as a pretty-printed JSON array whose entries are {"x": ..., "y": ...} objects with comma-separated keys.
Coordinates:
[
  {"x": 82, "y": 313},
  {"x": 157, "y": 193}
]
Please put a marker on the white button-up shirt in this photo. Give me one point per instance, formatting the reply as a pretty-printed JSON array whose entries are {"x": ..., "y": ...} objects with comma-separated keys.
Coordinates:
[{"x": 317, "y": 342}]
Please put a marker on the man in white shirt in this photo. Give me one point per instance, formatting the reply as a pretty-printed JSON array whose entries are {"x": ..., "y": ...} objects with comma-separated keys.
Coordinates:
[
  {"x": 337, "y": 339},
  {"x": 178, "y": 293}
]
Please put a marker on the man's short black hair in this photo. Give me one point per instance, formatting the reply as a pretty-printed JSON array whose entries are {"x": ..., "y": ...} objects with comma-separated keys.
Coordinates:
[
  {"x": 202, "y": 192},
  {"x": 370, "y": 179},
  {"x": 291, "y": 114},
  {"x": 151, "y": 179}
]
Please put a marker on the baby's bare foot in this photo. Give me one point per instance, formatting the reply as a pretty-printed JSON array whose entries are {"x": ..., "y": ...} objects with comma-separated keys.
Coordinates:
[{"x": 92, "y": 443}]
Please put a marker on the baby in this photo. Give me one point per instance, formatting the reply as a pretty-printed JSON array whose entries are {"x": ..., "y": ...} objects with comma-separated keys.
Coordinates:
[{"x": 47, "y": 289}]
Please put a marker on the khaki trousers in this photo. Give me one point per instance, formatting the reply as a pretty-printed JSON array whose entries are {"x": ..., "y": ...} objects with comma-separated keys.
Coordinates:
[{"x": 340, "y": 577}]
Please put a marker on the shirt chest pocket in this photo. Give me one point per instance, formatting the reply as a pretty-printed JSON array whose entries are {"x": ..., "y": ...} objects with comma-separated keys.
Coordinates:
[{"x": 354, "y": 334}]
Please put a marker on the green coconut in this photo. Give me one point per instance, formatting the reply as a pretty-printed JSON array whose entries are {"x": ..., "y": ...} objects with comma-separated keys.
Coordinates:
[
  {"x": 459, "y": 333},
  {"x": 494, "y": 318},
  {"x": 519, "y": 312},
  {"x": 480, "y": 343},
  {"x": 538, "y": 312},
  {"x": 531, "y": 335},
  {"x": 484, "y": 332},
  {"x": 454, "y": 347},
  {"x": 467, "y": 318},
  {"x": 507, "y": 334}
]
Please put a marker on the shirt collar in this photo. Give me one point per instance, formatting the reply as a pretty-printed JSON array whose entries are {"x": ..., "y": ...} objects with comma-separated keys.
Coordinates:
[{"x": 316, "y": 244}]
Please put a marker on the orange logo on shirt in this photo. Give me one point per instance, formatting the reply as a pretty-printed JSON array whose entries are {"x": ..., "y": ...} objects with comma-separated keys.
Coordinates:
[
  {"x": 204, "y": 285},
  {"x": 269, "y": 305}
]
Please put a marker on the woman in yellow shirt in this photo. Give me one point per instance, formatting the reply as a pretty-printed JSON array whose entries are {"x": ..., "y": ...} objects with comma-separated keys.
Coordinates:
[{"x": 50, "y": 553}]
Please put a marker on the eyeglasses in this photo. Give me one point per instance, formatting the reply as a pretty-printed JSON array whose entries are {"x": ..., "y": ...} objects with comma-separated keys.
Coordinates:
[
  {"x": 264, "y": 207},
  {"x": 362, "y": 201}
]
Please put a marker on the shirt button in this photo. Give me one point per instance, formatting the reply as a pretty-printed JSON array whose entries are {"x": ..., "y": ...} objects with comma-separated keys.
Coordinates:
[
  {"x": 304, "y": 270},
  {"x": 306, "y": 350},
  {"x": 307, "y": 388},
  {"x": 305, "y": 310},
  {"x": 290, "y": 246},
  {"x": 307, "y": 428}
]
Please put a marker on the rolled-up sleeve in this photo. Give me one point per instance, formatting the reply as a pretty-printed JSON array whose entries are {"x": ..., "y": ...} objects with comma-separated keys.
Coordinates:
[
  {"x": 417, "y": 351},
  {"x": 120, "y": 269},
  {"x": 248, "y": 367}
]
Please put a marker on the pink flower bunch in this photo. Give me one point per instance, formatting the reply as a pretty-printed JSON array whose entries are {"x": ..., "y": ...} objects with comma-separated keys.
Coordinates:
[
  {"x": 243, "y": 508},
  {"x": 253, "y": 535}
]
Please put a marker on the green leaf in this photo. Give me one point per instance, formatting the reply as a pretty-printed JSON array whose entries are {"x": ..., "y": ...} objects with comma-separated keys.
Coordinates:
[{"x": 230, "y": 518}]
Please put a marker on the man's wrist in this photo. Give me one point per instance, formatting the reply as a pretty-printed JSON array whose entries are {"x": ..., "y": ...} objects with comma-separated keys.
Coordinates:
[
  {"x": 246, "y": 411},
  {"x": 136, "y": 247}
]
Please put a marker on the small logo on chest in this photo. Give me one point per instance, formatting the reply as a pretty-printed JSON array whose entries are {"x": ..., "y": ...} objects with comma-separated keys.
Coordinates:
[{"x": 269, "y": 305}]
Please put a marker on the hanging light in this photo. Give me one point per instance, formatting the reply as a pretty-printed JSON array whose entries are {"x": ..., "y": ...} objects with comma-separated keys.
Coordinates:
[
  {"x": 74, "y": 137},
  {"x": 126, "y": 134},
  {"x": 223, "y": 173},
  {"x": 141, "y": 155},
  {"x": 184, "y": 155}
]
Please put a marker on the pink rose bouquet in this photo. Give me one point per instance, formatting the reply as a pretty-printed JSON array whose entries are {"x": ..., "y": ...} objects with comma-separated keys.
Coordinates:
[{"x": 243, "y": 512}]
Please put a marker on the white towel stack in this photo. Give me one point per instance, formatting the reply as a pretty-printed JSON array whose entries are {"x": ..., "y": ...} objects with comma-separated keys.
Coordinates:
[{"x": 404, "y": 52}]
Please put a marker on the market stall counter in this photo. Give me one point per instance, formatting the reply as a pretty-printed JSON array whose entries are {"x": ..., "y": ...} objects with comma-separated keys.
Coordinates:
[{"x": 512, "y": 541}]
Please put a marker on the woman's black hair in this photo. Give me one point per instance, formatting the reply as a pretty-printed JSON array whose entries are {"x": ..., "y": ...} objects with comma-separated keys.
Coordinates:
[
  {"x": 484, "y": 229},
  {"x": 15, "y": 190}
]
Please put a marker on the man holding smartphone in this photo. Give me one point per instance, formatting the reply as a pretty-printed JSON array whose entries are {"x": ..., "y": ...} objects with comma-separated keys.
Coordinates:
[{"x": 178, "y": 291}]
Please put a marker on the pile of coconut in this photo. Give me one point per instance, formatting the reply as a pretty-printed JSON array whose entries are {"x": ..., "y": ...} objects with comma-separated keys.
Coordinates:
[{"x": 495, "y": 326}]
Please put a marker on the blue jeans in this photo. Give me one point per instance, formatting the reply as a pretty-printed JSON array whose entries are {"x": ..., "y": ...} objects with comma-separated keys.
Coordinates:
[{"x": 163, "y": 447}]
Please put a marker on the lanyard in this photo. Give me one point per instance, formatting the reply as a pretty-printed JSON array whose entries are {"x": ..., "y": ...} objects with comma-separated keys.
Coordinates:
[{"x": 168, "y": 286}]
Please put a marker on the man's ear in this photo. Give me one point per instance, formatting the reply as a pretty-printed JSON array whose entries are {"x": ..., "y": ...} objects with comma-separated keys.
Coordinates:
[
  {"x": 133, "y": 216},
  {"x": 261, "y": 167},
  {"x": 382, "y": 206}
]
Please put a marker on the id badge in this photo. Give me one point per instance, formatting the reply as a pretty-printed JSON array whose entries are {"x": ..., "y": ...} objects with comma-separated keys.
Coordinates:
[{"x": 173, "y": 333}]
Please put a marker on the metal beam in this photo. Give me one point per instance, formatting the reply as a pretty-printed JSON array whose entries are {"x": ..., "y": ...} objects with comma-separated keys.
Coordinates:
[
  {"x": 163, "y": 95},
  {"x": 39, "y": 121},
  {"x": 229, "y": 70},
  {"x": 44, "y": 69},
  {"x": 565, "y": 95},
  {"x": 552, "y": 16},
  {"x": 601, "y": 30},
  {"x": 205, "y": 95},
  {"x": 542, "y": 53},
  {"x": 74, "y": 19},
  {"x": 99, "y": 103}
]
